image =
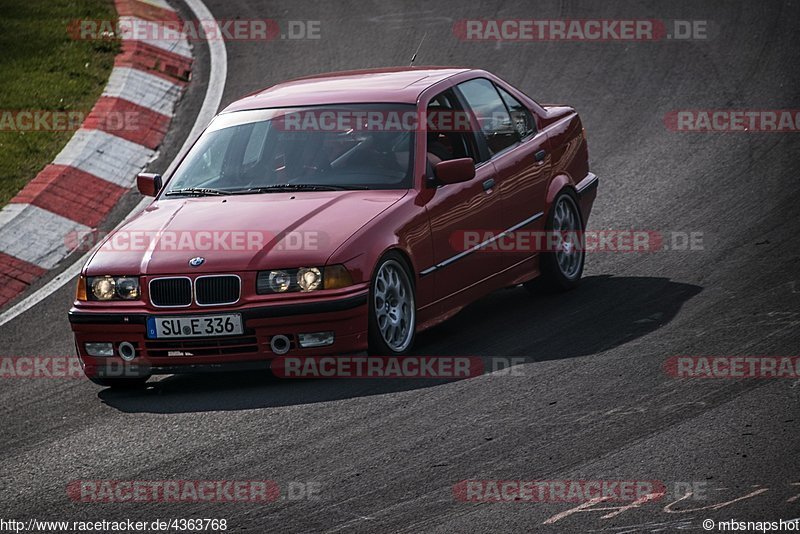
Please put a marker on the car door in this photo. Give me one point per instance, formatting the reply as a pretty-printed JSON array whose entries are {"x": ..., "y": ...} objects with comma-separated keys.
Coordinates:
[
  {"x": 460, "y": 214},
  {"x": 521, "y": 161}
]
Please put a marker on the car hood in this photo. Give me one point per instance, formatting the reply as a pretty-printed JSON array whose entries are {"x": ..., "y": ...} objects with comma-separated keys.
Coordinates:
[{"x": 238, "y": 232}]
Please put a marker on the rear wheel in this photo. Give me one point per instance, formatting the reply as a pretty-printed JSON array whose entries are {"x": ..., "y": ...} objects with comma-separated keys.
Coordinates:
[
  {"x": 392, "y": 308},
  {"x": 561, "y": 265}
]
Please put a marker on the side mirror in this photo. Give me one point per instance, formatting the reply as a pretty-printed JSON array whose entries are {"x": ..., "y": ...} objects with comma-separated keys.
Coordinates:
[
  {"x": 454, "y": 171},
  {"x": 149, "y": 184}
]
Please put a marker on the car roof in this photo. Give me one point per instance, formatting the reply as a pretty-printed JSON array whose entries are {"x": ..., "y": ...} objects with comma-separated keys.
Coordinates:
[{"x": 395, "y": 84}]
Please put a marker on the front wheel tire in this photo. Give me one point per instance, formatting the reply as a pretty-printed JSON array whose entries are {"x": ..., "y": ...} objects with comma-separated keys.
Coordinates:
[{"x": 392, "y": 308}]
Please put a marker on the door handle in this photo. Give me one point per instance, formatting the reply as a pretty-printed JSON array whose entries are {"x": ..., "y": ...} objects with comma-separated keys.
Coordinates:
[
  {"x": 540, "y": 155},
  {"x": 488, "y": 184}
]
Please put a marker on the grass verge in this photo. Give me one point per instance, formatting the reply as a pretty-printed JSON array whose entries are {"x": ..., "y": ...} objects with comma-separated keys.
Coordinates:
[{"x": 44, "y": 68}]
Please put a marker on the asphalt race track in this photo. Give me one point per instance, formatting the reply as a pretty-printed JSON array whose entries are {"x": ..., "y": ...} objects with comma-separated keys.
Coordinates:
[{"x": 589, "y": 400}]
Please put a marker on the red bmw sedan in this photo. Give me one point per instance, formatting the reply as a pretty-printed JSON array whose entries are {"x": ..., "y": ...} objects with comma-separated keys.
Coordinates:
[{"x": 335, "y": 214}]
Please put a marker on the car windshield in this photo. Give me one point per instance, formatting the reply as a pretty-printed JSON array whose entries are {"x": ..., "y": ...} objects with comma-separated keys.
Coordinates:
[{"x": 354, "y": 146}]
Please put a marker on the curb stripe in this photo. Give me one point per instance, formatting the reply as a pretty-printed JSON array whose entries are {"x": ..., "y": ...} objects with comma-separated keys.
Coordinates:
[
  {"x": 19, "y": 270},
  {"x": 72, "y": 193},
  {"x": 158, "y": 3},
  {"x": 155, "y": 61},
  {"x": 146, "y": 11},
  {"x": 98, "y": 165},
  {"x": 179, "y": 47},
  {"x": 143, "y": 89},
  {"x": 15, "y": 276},
  {"x": 127, "y": 120},
  {"x": 9, "y": 213},
  {"x": 10, "y": 287},
  {"x": 106, "y": 156},
  {"x": 38, "y": 236},
  {"x": 217, "y": 76}
]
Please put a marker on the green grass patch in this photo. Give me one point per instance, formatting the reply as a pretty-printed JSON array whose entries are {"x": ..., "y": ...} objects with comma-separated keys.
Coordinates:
[{"x": 44, "y": 68}]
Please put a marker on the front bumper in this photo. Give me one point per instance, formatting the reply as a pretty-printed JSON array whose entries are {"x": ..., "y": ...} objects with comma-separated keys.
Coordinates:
[{"x": 345, "y": 316}]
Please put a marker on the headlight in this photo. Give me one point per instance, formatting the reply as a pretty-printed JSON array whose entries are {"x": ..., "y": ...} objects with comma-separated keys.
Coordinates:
[
  {"x": 279, "y": 281},
  {"x": 309, "y": 278},
  {"x": 103, "y": 288},
  {"x": 109, "y": 288},
  {"x": 127, "y": 288},
  {"x": 303, "y": 279}
]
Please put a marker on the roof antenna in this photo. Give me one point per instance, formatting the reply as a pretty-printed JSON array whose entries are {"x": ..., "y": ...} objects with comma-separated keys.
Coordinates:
[{"x": 420, "y": 46}]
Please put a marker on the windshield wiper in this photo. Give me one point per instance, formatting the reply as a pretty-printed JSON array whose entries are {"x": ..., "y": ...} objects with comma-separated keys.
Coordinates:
[
  {"x": 280, "y": 188},
  {"x": 200, "y": 191}
]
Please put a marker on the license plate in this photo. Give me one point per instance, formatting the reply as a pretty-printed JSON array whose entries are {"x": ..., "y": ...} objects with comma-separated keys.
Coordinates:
[{"x": 197, "y": 326}]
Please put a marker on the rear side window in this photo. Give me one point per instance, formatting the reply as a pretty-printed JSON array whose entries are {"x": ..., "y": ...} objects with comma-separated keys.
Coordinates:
[
  {"x": 491, "y": 113},
  {"x": 520, "y": 115}
]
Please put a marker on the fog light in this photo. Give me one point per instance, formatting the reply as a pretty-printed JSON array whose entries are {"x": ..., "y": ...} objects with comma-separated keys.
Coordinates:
[
  {"x": 99, "y": 350},
  {"x": 280, "y": 344},
  {"x": 127, "y": 351},
  {"x": 315, "y": 339}
]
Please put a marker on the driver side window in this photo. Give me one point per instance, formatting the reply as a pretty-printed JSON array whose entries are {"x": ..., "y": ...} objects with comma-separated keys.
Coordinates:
[{"x": 448, "y": 136}]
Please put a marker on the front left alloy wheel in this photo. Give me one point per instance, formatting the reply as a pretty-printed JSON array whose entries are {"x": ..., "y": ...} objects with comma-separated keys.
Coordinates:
[{"x": 392, "y": 308}]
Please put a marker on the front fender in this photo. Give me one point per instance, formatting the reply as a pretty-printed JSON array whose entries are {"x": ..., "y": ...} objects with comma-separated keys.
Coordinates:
[{"x": 403, "y": 227}]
